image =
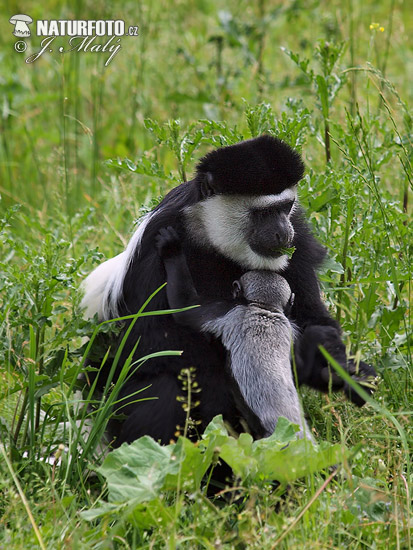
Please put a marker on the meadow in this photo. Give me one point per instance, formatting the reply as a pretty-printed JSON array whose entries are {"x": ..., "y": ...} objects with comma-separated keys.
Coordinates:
[{"x": 87, "y": 148}]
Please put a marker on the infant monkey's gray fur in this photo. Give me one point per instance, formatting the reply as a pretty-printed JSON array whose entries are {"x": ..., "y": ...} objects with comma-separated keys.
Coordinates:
[
  {"x": 254, "y": 330},
  {"x": 258, "y": 339}
]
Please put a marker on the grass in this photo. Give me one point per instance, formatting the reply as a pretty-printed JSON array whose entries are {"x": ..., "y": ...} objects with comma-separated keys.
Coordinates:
[{"x": 85, "y": 150}]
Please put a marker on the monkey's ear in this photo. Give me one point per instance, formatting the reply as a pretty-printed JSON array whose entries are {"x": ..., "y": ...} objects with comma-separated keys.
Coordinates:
[
  {"x": 236, "y": 289},
  {"x": 207, "y": 185}
]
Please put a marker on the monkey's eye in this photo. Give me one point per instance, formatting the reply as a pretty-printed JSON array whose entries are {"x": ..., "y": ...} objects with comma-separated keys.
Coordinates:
[{"x": 287, "y": 206}]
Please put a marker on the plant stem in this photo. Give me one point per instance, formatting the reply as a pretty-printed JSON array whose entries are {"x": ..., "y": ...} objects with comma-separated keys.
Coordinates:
[
  {"x": 23, "y": 497},
  {"x": 327, "y": 140},
  {"x": 304, "y": 510},
  {"x": 261, "y": 45},
  {"x": 353, "y": 74},
  {"x": 344, "y": 278},
  {"x": 21, "y": 415}
]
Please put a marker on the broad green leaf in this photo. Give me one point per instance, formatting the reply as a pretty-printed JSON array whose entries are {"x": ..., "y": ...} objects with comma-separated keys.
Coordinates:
[
  {"x": 298, "y": 459},
  {"x": 238, "y": 454},
  {"x": 137, "y": 471},
  {"x": 140, "y": 475}
]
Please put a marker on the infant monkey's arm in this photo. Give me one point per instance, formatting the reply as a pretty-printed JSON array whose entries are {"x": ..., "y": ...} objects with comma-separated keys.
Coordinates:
[{"x": 180, "y": 288}]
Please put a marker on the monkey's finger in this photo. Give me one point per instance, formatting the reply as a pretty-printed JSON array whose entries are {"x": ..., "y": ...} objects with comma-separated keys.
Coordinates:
[{"x": 369, "y": 385}]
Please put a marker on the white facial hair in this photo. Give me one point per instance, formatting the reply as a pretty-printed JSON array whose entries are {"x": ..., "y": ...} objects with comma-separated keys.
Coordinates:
[{"x": 221, "y": 222}]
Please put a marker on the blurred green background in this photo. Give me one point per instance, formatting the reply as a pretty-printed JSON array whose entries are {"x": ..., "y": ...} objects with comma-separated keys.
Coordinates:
[
  {"x": 86, "y": 149},
  {"x": 63, "y": 115}
]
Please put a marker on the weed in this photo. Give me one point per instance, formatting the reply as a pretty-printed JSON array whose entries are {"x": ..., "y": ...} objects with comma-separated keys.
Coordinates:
[{"x": 84, "y": 151}]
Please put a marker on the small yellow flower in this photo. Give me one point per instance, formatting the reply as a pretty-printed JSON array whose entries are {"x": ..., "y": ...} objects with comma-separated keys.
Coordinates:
[
  {"x": 381, "y": 29},
  {"x": 374, "y": 26}
]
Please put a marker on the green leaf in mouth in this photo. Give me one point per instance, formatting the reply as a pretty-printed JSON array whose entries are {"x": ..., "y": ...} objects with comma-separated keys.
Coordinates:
[{"x": 287, "y": 251}]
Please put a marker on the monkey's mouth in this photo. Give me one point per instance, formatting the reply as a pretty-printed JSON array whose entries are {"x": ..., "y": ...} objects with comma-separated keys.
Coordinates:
[
  {"x": 286, "y": 251},
  {"x": 274, "y": 252}
]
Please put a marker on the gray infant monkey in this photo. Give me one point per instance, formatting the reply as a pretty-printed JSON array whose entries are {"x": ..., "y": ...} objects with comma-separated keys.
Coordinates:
[{"x": 254, "y": 330}]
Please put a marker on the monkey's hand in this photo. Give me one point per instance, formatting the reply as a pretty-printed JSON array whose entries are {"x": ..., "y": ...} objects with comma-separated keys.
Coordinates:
[
  {"x": 167, "y": 243},
  {"x": 314, "y": 370},
  {"x": 363, "y": 374}
]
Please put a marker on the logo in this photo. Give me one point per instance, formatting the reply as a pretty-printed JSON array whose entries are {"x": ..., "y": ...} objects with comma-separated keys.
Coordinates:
[
  {"x": 77, "y": 36},
  {"x": 21, "y": 23}
]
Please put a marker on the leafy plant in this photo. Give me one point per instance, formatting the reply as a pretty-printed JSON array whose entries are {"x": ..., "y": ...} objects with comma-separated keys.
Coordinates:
[
  {"x": 326, "y": 83},
  {"x": 140, "y": 476},
  {"x": 198, "y": 78}
]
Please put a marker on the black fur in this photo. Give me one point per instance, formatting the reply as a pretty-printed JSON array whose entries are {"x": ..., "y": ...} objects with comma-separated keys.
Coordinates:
[
  {"x": 255, "y": 331},
  {"x": 261, "y": 166}
]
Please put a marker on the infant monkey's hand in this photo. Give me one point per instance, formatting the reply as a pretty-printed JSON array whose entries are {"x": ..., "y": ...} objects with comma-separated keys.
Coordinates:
[{"x": 167, "y": 243}]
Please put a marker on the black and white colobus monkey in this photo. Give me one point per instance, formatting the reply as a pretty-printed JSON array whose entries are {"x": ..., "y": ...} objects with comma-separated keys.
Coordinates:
[
  {"x": 234, "y": 216},
  {"x": 253, "y": 329}
]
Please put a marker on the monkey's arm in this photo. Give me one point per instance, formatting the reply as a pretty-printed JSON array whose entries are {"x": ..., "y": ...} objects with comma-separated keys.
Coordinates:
[
  {"x": 313, "y": 370},
  {"x": 316, "y": 324},
  {"x": 180, "y": 288}
]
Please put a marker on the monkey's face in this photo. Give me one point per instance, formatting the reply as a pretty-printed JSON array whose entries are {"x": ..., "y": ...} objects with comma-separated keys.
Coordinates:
[
  {"x": 265, "y": 287},
  {"x": 248, "y": 229}
]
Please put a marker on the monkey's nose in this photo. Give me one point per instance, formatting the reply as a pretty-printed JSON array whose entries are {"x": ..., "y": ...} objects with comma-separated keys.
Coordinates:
[{"x": 281, "y": 240}]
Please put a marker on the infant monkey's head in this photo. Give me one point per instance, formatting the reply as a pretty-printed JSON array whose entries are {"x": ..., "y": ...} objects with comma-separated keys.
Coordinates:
[{"x": 265, "y": 287}]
